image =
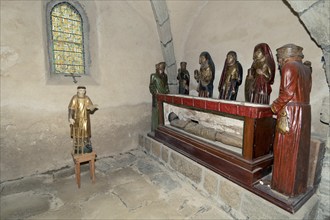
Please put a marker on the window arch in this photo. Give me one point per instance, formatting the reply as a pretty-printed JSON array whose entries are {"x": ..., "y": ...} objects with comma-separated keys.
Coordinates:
[
  {"x": 67, "y": 34},
  {"x": 67, "y": 39}
]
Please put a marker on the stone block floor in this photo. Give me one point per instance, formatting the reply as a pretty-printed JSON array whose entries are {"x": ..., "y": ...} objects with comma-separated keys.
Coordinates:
[{"x": 128, "y": 186}]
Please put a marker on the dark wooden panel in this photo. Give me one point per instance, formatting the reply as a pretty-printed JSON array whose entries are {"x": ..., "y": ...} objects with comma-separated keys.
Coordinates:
[
  {"x": 263, "y": 136},
  {"x": 248, "y": 138}
]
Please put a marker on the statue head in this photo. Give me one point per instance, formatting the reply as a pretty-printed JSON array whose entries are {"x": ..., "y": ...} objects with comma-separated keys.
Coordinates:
[
  {"x": 162, "y": 67},
  {"x": 172, "y": 116},
  {"x": 204, "y": 58},
  {"x": 81, "y": 91},
  {"x": 258, "y": 54},
  {"x": 183, "y": 65},
  {"x": 289, "y": 51},
  {"x": 231, "y": 58}
]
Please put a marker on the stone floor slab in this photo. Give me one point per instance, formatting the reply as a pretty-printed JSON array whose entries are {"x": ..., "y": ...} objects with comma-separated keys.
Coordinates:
[
  {"x": 122, "y": 176},
  {"x": 107, "y": 206},
  {"x": 23, "y": 205},
  {"x": 136, "y": 194},
  {"x": 129, "y": 186}
]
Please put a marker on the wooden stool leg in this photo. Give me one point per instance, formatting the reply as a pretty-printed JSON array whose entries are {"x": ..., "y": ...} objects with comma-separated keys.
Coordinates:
[
  {"x": 78, "y": 174},
  {"x": 76, "y": 171},
  {"x": 92, "y": 169}
]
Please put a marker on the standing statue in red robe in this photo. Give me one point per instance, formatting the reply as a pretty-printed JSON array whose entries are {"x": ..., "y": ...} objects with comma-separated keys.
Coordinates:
[
  {"x": 260, "y": 76},
  {"x": 293, "y": 128}
]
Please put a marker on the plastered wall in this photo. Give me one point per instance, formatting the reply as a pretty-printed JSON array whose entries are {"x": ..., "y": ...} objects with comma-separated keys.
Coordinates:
[
  {"x": 124, "y": 47},
  {"x": 34, "y": 129}
]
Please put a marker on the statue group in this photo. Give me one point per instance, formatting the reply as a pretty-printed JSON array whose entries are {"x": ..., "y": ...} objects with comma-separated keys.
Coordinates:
[
  {"x": 259, "y": 78},
  {"x": 258, "y": 81},
  {"x": 292, "y": 107}
]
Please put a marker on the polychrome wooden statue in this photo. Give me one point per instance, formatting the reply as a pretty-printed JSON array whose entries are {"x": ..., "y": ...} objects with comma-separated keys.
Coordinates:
[{"x": 293, "y": 128}]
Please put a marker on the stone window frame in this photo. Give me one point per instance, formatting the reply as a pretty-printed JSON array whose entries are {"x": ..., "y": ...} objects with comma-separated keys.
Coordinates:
[{"x": 61, "y": 79}]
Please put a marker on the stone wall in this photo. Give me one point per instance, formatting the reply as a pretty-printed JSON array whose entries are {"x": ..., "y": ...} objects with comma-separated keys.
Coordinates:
[
  {"x": 323, "y": 190},
  {"x": 235, "y": 200}
]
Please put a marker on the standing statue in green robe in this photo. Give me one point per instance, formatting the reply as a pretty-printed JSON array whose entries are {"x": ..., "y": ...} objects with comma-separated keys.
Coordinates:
[{"x": 158, "y": 85}]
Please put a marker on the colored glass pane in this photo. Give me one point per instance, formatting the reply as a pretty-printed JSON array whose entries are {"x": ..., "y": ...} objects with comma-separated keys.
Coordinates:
[{"x": 67, "y": 38}]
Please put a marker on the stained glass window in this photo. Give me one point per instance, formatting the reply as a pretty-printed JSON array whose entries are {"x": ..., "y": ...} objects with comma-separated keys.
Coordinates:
[{"x": 67, "y": 40}]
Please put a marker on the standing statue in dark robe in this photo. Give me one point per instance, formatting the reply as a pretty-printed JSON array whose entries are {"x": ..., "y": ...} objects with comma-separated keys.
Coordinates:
[
  {"x": 205, "y": 76},
  {"x": 231, "y": 77},
  {"x": 158, "y": 85},
  {"x": 293, "y": 128},
  {"x": 261, "y": 75},
  {"x": 184, "y": 79}
]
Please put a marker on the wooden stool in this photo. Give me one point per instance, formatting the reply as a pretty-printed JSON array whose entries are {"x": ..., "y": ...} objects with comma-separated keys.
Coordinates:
[{"x": 80, "y": 158}]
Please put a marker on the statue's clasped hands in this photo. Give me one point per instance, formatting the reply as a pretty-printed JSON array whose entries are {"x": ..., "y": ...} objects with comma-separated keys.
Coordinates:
[{"x": 259, "y": 71}]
